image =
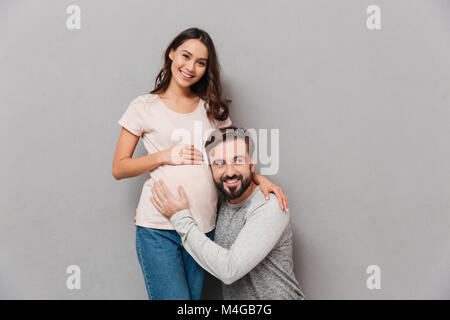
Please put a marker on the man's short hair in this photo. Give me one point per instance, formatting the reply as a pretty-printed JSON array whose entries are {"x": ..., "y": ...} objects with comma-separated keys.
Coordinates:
[{"x": 229, "y": 133}]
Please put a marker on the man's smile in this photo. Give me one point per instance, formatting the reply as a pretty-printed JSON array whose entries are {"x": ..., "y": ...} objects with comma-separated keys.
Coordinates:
[{"x": 232, "y": 182}]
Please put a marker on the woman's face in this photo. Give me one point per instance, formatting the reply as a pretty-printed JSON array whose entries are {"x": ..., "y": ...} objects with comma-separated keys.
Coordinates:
[{"x": 189, "y": 62}]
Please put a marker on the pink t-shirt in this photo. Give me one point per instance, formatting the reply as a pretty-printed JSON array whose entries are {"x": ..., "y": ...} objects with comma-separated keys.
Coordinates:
[{"x": 160, "y": 128}]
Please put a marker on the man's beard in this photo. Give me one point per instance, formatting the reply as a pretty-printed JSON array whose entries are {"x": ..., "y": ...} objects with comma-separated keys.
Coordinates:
[{"x": 231, "y": 193}]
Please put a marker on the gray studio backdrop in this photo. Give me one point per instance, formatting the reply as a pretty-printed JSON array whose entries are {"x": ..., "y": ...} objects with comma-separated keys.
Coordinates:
[{"x": 364, "y": 137}]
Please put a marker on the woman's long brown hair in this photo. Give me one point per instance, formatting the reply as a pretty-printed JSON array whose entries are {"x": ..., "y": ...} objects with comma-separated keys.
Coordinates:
[{"x": 209, "y": 87}]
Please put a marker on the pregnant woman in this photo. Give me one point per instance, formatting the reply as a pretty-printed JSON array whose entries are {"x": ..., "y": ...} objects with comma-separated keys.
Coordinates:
[{"x": 173, "y": 120}]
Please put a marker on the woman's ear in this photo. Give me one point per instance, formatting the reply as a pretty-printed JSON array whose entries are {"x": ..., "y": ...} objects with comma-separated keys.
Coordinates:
[{"x": 171, "y": 54}]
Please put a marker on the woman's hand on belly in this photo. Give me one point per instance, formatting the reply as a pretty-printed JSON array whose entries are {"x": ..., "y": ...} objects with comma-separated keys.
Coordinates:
[{"x": 182, "y": 154}]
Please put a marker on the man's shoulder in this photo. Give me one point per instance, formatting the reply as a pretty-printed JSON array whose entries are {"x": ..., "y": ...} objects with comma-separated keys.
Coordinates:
[
  {"x": 257, "y": 204},
  {"x": 260, "y": 200},
  {"x": 262, "y": 205}
]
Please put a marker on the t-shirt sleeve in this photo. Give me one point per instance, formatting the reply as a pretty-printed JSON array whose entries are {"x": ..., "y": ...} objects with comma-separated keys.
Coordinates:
[
  {"x": 132, "y": 119},
  {"x": 224, "y": 123}
]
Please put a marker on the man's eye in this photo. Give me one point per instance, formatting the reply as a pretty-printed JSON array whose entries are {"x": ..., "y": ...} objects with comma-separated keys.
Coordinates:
[
  {"x": 239, "y": 161},
  {"x": 218, "y": 163}
]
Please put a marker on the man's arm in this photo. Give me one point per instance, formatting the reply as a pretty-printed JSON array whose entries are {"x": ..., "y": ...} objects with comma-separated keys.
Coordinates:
[
  {"x": 254, "y": 242},
  {"x": 261, "y": 232}
]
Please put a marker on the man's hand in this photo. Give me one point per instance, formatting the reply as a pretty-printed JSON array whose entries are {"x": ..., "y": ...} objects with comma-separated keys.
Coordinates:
[{"x": 165, "y": 202}]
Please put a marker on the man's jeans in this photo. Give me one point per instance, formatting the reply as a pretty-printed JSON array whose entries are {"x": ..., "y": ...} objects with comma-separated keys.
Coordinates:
[{"x": 170, "y": 273}]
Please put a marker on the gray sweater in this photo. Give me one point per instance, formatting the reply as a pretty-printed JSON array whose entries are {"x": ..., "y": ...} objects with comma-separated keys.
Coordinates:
[{"x": 252, "y": 252}]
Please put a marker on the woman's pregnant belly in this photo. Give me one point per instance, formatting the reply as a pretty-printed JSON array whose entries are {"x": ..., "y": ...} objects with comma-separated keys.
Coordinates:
[{"x": 199, "y": 186}]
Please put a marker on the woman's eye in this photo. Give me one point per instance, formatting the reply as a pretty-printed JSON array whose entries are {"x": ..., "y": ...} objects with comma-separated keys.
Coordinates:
[
  {"x": 202, "y": 64},
  {"x": 186, "y": 56}
]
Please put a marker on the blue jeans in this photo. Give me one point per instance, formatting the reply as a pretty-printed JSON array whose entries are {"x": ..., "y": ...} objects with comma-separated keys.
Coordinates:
[{"x": 170, "y": 273}]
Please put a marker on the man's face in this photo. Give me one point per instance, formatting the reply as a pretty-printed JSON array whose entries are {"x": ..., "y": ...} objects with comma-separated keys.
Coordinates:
[{"x": 231, "y": 168}]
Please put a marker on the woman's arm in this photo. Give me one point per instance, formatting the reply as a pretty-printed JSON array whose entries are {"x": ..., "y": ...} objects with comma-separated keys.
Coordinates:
[
  {"x": 268, "y": 186},
  {"x": 124, "y": 166}
]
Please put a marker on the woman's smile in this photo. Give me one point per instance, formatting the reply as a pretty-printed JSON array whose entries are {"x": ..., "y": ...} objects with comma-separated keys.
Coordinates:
[{"x": 185, "y": 75}]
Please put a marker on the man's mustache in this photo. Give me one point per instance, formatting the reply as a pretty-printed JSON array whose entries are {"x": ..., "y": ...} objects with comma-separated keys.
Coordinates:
[{"x": 236, "y": 176}]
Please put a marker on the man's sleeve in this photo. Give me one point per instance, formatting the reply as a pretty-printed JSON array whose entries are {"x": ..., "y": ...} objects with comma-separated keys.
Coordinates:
[{"x": 257, "y": 238}]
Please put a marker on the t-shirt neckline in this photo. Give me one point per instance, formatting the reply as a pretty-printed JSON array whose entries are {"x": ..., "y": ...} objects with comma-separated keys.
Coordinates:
[
  {"x": 246, "y": 201},
  {"x": 178, "y": 113}
]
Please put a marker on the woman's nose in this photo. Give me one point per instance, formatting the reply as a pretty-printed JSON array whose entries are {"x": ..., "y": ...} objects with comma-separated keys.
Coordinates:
[{"x": 190, "y": 66}]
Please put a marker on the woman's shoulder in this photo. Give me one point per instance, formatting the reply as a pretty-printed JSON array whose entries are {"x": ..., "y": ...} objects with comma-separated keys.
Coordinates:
[
  {"x": 144, "y": 101},
  {"x": 146, "y": 98}
]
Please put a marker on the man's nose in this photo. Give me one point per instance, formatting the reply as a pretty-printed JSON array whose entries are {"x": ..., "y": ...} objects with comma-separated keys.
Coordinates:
[{"x": 230, "y": 170}]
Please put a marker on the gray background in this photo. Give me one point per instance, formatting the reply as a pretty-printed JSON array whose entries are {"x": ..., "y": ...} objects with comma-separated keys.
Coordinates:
[{"x": 364, "y": 129}]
